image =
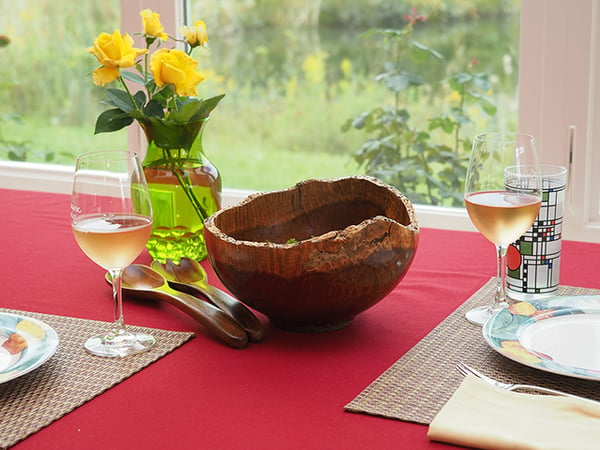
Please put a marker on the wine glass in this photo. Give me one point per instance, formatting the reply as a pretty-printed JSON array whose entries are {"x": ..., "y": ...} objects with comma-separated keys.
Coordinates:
[
  {"x": 111, "y": 219},
  {"x": 502, "y": 197}
]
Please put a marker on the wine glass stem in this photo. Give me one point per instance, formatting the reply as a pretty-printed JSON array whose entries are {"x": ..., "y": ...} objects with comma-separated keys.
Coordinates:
[
  {"x": 500, "y": 298},
  {"x": 119, "y": 322}
]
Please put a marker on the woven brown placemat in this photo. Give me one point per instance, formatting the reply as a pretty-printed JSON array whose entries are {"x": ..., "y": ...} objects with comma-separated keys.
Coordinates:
[
  {"x": 416, "y": 386},
  {"x": 71, "y": 377}
]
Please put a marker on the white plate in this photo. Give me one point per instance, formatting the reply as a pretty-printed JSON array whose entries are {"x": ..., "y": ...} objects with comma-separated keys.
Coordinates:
[
  {"x": 559, "y": 335},
  {"x": 25, "y": 344}
]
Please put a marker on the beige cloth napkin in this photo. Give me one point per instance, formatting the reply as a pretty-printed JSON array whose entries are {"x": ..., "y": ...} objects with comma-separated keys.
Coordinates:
[{"x": 483, "y": 416}]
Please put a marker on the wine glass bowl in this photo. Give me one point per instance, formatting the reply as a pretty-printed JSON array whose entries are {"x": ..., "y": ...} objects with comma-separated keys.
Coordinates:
[
  {"x": 111, "y": 220},
  {"x": 502, "y": 198}
]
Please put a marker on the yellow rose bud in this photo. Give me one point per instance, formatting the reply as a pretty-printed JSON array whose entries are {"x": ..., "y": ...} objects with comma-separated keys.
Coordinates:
[
  {"x": 113, "y": 51},
  {"x": 197, "y": 35},
  {"x": 177, "y": 68},
  {"x": 152, "y": 25}
]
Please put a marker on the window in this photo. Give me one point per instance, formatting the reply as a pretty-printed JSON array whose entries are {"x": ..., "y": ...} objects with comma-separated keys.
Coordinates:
[
  {"x": 295, "y": 73},
  {"x": 560, "y": 100},
  {"x": 293, "y": 78},
  {"x": 46, "y": 101},
  {"x": 558, "y": 72}
]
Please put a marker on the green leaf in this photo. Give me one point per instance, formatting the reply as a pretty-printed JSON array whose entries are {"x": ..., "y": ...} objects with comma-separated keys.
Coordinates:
[
  {"x": 207, "y": 107},
  {"x": 186, "y": 111},
  {"x": 458, "y": 80},
  {"x": 112, "y": 120},
  {"x": 346, "y": 125},
  {"x": 485, "y": 103},
  {"x": 400, "y": 81},
  {"x": 140, "y": 98},
  {"x": 121, "y": 100},
  {"x": 154, "y": 109},
  {"x": 360, "y": 121},
  {"x": 138, "y": 115},
  {"x": 447, "y": 124},
  {"x": 14, "y": 156},
  {"x": 460, "y": 117},
  {"x": 419, "y": 149},
  {"x": 427, "y": 50},
  {"x": 132, "y": 76},
  {"x": 161, "y": 95},
  {"x": 387, "y": 32},
  {"x": 490, "y": 109},
  {"x": 482, "y": 81},
  {"x": 397, "y": 83}
]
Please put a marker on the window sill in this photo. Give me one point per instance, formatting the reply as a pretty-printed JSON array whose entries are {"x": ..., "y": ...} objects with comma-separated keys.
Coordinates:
[{"x": 58, "y": 179}]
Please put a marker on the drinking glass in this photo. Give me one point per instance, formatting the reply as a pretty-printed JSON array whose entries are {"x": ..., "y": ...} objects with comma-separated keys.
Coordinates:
[
  {"x": 111, "y": 219},
  {"x": 502, "y": 197}
]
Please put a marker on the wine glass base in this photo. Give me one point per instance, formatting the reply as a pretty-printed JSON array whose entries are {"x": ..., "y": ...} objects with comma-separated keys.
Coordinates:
[
  {"x": 119, "y": 345},
  {"x": 479, "y": 315}
]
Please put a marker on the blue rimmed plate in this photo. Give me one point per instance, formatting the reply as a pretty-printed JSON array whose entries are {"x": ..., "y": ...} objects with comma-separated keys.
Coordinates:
[
  {"x": 559, "y": 335},
  {"x": 25, "y": 344}
]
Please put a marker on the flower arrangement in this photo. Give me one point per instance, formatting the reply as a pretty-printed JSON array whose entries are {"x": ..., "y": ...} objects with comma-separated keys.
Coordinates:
[
  {"x": 185, "y": 188},
  {"x": 169, "y": 78}
]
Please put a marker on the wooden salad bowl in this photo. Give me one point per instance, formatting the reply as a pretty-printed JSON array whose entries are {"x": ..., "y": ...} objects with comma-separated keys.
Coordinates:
[{"x": 314, "y": 256}]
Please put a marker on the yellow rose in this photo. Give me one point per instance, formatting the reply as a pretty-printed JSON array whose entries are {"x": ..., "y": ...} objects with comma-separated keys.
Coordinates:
[
  {"x": 152, "y": 25},
  {"x": 113, "y": 51},
  {"x": 197, "y": 35},
  {"x": 177, "y": 68}
]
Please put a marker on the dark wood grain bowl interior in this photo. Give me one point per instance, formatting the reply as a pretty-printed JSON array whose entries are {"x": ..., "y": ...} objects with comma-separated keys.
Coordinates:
[
  {"x": 314, "y": 256},
  {"x": 311, "y": 209}
]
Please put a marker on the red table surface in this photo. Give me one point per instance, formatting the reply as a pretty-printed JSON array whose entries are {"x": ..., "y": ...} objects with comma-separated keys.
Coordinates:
[{"x": 286, "y": 392}]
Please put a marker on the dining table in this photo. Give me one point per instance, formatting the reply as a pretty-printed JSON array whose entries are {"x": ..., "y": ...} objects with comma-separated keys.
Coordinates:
[{"x": 287, "y": 391}]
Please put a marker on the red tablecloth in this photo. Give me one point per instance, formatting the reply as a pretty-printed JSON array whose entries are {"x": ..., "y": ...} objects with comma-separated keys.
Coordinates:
[{"x": 286, "y": 392}]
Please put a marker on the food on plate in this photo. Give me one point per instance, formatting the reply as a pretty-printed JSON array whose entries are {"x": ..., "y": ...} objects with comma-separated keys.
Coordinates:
[
  {"x": 15, "y": 344},
  {"x": 32, "y": 328}
]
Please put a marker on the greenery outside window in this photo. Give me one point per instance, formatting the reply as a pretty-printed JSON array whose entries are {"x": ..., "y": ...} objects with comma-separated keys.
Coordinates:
[
  {"x": 46, "y": 100},
  {"x": 294, "y": 74},
  {"x": 315, "y": 67}
]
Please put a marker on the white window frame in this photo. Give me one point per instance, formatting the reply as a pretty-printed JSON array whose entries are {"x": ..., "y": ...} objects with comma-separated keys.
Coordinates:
[
  {"x": 559, "y": 103},
  {"x": 559, "y": 100}
]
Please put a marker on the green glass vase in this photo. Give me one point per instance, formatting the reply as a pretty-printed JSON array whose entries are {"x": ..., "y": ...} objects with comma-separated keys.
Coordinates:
[{"x": 185, "y": 188}]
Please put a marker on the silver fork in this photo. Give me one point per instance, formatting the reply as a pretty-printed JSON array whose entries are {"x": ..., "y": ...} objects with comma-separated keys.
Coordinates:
[{"x": 464, "y": 369}]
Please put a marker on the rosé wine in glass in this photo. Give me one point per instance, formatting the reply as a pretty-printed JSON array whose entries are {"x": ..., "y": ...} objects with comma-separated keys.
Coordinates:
[
  {"x": 502, "y": 216},
  {"x": 111, "y": 219},
  {"x": 112, "y": 242},
  {"x": 502, "y": 198}
]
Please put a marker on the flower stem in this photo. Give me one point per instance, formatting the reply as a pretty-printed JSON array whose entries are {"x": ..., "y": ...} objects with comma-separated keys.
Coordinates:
[
  {"x": 186, "y": 184},
  {"x": 189, "y": 192},
  {"x": 133, "y": 102},
  {"x": 146, "y": 69}
]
